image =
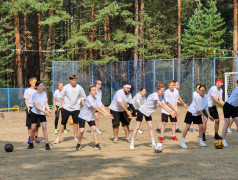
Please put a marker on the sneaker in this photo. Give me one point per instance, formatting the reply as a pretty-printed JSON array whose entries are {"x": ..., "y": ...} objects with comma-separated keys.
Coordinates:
[
  {"x": 56, "y": 131},
  {"x": 127, "y": 140},
  {"x": 178, "y": 131},
  {"x": 153, "y": 146},
  {"x": 139, "y": 131},
  {"x": 91, "y": 132},
  {"x": 65, "y": 131},
  {"x": 183, "y": 145},
  {"x": 217, "y": 137},
  {"x": 97, "y": 146},
  {"x": 204, "y": 139},
  {"x": 158, "y": 130},
  {"x": 174, "y": 138},
  {"x": 78, "y": 147},
  {"x": 29, "y": 140},
  {"x": 194, "y": 130},
  {"x": 31, "y": 146},
  {"x": 76, "y": 139},
  {"x": 229, "y": 130},
  {"x": 225, "y": 143},
  {"x": 57, "y": 141},
  {"x": 202, "y": 144},
  {"x": 47, "y": 146},
  {"x": 161, "y": 139},
  {"x": 98, "y": 131},
  {"x": 132, "y": 147},
  {"x": 115, "y": 140},
  {"x": 37, "y": 140}
]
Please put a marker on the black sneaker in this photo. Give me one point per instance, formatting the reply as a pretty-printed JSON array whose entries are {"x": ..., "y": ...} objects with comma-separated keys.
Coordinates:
[
  {"x": 178, "y": 131},
  {"x": 217, "y": 137},
  {"x": 31, "y": 146},
  {"x": 204, "y": 139},
  {"x": 158, "y": 130},
  {"x": 78, "y": 147},
  {"x": 47, "y": 146},
  {"x": 97, "y": 146}
]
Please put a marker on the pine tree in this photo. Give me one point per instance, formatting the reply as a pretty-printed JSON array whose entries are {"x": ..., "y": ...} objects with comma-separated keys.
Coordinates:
[{"x": 205, "y": 29}]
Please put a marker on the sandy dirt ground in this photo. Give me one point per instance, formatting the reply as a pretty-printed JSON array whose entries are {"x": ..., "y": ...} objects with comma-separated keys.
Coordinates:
[{"x": 115, "y": 161}]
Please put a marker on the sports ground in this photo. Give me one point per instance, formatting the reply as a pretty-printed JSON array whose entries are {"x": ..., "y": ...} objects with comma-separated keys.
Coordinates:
[{"x": 115, "y": 161}]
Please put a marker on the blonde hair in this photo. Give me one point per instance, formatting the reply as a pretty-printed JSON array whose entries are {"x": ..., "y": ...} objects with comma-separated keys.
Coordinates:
[{"x": 97, "y": 82}]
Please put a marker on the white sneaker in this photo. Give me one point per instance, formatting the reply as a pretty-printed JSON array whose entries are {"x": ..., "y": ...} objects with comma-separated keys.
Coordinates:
[
  {"x": 225, "y": 143},
  {"x": 127, "y": 140},
  {"x": 91, "y": 132},
  {"x": 57, "y": 141},
  {"x": 202, "y": 144},
  {"x": 139, "y": 131},
  {"x": 115, "y": 140},
  {"x": 229, "y": 130},
  {"x": 153, "y": 146},
  {"x": 183, "y": 145},
  {"x": 98, "y": 131},
  {"x": 132, "y": 147}
]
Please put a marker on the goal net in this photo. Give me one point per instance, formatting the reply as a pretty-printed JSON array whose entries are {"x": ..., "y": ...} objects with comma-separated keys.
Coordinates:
[{"x": 230, "y": 83}]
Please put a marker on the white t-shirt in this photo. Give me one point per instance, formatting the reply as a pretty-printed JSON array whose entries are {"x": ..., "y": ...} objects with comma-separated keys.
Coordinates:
[
  {"x": 138, "y": 99},
  {"x": 28, "y": 94},
  {"x": 71, "y": 96},
  {"x": 99, "y": 95},
  {"x": 213, "y": 91},
  {"x": 41, "y": 100},
  {"x": 233, "y": 99},
  {"x": 120, "y": 96},
  {"x": 194, "y": 94},
  {"x": 57, "y": 96},
  {"x": 171, "y": 97},
  {"x": 150, "y": 104},
  {"x": 199, "y": 103},
  {"x": 88, "y": 112}
]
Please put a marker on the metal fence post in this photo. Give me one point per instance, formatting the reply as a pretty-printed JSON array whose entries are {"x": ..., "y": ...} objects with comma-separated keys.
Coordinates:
[
  {"x": 173, "y": 69},
  {"x": 72, "y": 67},
  {"x": 92, "y": 72},
  {"x": 111, "y": 78},
  {"x": 53, "y": 81},
  {"x": 214, "y": 71},
  {"x": 154, "y": 76},
  {"x": 128, "y": 71},
  {"x": 193, "y": 77},
  {"x": 8, "y": 98},
  {"x": 136, "y": 76}
]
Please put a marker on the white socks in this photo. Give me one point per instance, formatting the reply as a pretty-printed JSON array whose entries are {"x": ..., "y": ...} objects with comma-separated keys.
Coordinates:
[
  {"x": 132, "y": 140},
  {"x": 182, "y": 140}
]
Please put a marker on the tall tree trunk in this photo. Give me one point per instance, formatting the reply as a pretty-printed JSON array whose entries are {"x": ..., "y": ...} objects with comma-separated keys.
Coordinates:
[
  {"x": 92, "y": 30},
  {"x": 179, "y": 42},
  {"x": 70, "y": 31},
  {"x": 142, "y": 7},
  {"x": 18, "y": 51},
  {"x": 49, "y": 45},
  {"x": 107, "y": 35},
  {"x": 78, "y": 27},
  {"x": 25, "y": 47},
  {"x": 40, "y": 44},
  {"x": 136, "y": 29},
  {"x": 235, "y": 34}
]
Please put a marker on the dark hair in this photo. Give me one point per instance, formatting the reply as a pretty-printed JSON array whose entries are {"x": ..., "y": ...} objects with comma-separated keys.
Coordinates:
[
  {"x": 175, "y": 81},
  {"x": 90, "y": 87},
  {"x": 142, "y": 89},
  {"x": 198, "y": 85},
  {"x": 98, "y": 81},
  {"x": 38, "y": 83},
  {"x": 237, "y": 81},
  {"x": 202, "y": 86},
  {"x": 72, "y": 76},
  {"x": 160, "y": 87}
]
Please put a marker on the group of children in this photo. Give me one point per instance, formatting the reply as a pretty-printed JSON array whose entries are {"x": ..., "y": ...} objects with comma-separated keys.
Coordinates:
[{"x": 67, "y": 100}]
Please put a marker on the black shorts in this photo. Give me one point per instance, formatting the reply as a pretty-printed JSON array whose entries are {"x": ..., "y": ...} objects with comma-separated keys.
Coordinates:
[
  {"x": 189, "y": 119},
  {"x": 205, "y": 113},
  {"x": 132, "y": 109},
  {"x": 120, "y": 117},
  {"x": 213, "y": 112},
  {"x": 28, "y": 119},
  {"x": 66, "y": 114},
  {"x": 140, "y": 117},
  {"x": 165, "y": 118},
  {"x": 35, "y": 118},
  {"x": 230, "y": 111},
  {"x": 82, "y": 123}
]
